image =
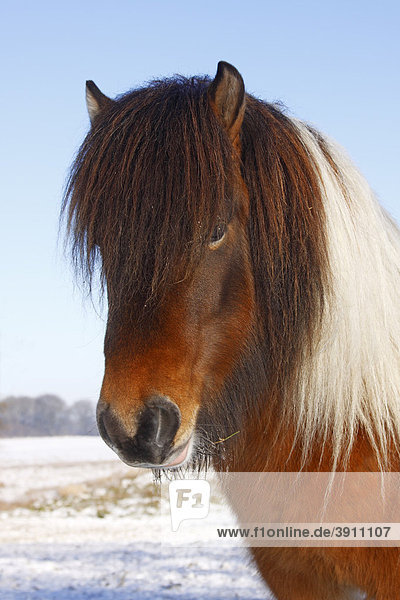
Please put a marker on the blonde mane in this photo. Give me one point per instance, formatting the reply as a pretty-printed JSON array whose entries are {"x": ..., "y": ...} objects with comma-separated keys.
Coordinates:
[{"x": 351, "y": 380}]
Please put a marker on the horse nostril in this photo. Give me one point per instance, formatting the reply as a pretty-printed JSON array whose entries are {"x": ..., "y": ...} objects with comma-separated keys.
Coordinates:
[
  {"x": 107, "y": 424},
  {"x": 158, "y": 422},
  {"x": 151, "y": 440}
]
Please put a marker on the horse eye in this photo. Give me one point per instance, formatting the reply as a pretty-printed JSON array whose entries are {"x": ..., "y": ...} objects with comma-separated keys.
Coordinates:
[{"x": 217, "y": 235}]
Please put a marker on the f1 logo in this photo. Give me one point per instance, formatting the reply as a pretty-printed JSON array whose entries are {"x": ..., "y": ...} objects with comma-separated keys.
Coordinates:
[{"x": 188, "y": 499}]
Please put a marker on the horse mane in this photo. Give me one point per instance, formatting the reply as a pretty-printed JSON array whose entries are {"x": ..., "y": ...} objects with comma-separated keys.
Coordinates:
[
  {"x": 146, "y": 189},
  {"x": 351, "y": 383}
]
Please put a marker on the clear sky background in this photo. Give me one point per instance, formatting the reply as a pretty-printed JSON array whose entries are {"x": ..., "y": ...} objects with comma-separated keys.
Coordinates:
[{"x": 333, "y": 63}]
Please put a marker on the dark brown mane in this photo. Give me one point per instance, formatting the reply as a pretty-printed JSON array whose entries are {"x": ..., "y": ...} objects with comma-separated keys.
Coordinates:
[
  {"x": 287, "y": 231},
  {"x": 155, "y": 173}
]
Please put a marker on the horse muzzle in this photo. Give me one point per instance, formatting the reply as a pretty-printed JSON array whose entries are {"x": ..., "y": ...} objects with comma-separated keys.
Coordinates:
[{"x": 151, "y": 445}]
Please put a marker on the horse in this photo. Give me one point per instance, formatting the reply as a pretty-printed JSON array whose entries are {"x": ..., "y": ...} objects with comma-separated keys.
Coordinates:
[{"x": 252, "y": 286}]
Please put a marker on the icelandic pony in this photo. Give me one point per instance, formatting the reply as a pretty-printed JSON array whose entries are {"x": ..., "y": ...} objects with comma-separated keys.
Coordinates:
[{"x": 252, "y": 283}]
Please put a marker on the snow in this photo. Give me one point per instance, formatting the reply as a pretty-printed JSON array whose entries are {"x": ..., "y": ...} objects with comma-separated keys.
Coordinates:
[
  {"x": 53, "y": 450},
  {"x": 122, "y": 572},
  {"x": 76, "y": 523}
]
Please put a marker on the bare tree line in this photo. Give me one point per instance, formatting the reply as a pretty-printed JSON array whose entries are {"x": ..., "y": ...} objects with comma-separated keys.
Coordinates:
[{"x": 46, "y": 415}]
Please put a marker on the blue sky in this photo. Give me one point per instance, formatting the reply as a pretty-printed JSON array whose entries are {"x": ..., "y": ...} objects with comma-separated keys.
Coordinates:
[{"x": 335, "y": 64}]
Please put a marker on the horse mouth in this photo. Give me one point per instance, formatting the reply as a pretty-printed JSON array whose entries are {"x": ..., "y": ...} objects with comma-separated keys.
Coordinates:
[
  {"x": 180, "y": 456},
  {"x": 176, "y": 459}
]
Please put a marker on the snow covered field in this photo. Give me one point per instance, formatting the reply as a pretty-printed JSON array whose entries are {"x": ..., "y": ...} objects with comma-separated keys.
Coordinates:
[{"x": 76, "y": 523}]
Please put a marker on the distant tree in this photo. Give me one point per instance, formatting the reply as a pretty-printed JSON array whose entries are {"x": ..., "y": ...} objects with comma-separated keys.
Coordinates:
[
  {"x": 16, "y": 416},
  {"x": 45, "y": 415},
  {"x": 82, "y": 418}
]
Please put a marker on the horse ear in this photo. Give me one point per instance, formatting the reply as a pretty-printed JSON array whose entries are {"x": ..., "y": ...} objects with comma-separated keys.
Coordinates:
[
  {"x": 227, "y": 97},
  {"x": 96, "y": 101}
]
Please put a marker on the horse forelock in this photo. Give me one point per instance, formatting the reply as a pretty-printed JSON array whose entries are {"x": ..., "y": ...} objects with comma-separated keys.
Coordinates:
[
  {"x": 147, "y": 187},
  {"x": 156, "y": 172}
]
